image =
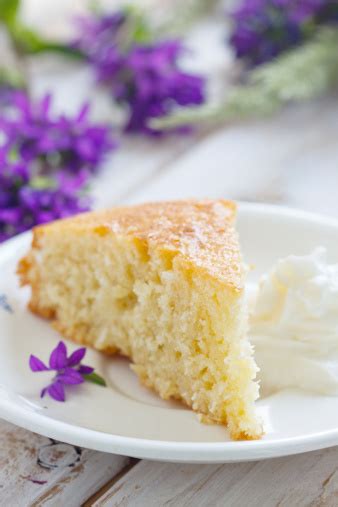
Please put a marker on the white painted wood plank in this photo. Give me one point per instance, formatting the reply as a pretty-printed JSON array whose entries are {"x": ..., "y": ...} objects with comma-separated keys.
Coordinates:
[
  {"x": 135, "y": 165},
  {"x": 268, "y": 160},
  {"x": 37, "y": 471},
  {"x": 303, "y": 480}
]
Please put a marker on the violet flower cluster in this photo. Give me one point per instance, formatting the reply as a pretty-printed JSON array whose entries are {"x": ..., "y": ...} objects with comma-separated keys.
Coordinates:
[
  {"x": 71, "y": 145},
  {"x": 262, "y": 29},
  {"x": 68, "y": 371},
  {"x": 27, "y": 201},
  {"x": 144, "y": 76},
  {"x": 45, "y": 163}
]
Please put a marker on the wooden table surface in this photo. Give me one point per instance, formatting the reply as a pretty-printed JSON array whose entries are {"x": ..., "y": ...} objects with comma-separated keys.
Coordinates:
[{"x": 290, "y": 159}]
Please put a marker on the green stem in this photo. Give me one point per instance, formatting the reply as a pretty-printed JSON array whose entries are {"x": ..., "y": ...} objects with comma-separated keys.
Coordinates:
[
  {"x": 27, "y": 41},
  {"x": 95, "y": 379}
]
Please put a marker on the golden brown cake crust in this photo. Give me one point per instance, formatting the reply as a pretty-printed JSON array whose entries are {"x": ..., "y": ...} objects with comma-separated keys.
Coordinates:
[{"x": 202, "y": 231}]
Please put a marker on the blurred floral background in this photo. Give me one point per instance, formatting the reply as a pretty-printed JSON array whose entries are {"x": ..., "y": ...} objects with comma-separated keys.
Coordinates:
[{"x": 145, "y": 77}]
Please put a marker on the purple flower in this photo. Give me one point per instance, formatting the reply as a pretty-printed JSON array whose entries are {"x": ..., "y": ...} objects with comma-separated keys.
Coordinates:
[
  {"x": 150, "y": 82},
  {"x": 45, "y": 163},
  {"x": 145, "y": 77},
  {"x": 99, "y": 37},
  {"x": 26, "y": 201},
  {"x": 69, "y": 371},
  {"x": 264, "y": 28},
  {"x": 54, "y": 142}
]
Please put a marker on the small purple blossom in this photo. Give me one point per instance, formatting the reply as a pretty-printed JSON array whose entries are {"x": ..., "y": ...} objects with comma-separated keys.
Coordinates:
[
  {"x": 26, "y": 201},
  {"x": 150, "y": 82},
  {"x": 99, "y": 37},
  {"x": 54, "y": 142},
  {"x": 145, "y": 77},
  {"x": 45, "y": 162},
  {"x": 69, "y": 371},
  {"x": 264, "y": 28}
]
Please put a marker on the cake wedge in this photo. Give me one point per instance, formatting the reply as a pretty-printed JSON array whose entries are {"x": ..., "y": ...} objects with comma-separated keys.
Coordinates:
[{"x": 163, "y": 284}]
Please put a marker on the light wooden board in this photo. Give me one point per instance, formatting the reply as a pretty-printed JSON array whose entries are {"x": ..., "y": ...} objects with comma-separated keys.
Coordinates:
[
  {"x": 290, "y": 158},
  {"x": 303, "y": 480},
  {"x": 35, "y": 470}
]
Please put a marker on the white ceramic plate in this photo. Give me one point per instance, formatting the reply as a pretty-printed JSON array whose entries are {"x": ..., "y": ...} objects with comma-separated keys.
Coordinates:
[{"x": 128, "y": 419}]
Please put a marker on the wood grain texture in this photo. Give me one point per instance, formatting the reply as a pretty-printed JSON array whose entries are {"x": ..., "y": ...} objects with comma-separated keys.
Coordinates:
[
  {"x": 36, "y": 471},
  {"x": 305, "y": 480},
  {"x": 290, "y": 158}
]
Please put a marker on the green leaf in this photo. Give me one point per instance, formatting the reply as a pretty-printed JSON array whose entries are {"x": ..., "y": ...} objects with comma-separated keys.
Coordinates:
[
  {"x": 95, "y": 378},
  {"x": 9, "y": 10},
  {"x": 28, "y": 41}
]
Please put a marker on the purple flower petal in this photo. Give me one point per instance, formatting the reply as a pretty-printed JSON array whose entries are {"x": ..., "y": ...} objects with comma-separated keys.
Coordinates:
[
  {"x": 85, "y": 370},
  {"x": 36, "y": 364},
  {"x": 45, "y": 105},
  {"x": 76, "y": 357},
  {"x": 43, "y": 392},
  {"x": 146, "y": 78},
  {"x": 70, "y": 376},
  {"x": 66, "y": 375},
  {"x": 262, "y": 29},
  {"x": 57, "y": 391},
  {"x": 58, "y": 357},
  {"x": 83, "y": 113}
]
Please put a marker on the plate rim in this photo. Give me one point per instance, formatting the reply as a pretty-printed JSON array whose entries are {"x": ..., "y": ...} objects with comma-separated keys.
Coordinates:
[{"x": 185, "y": 452}]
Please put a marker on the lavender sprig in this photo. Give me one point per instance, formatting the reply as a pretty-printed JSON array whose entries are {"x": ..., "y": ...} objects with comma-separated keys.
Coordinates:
[
  {"x": 45, "y": 162},
  {"x": 54, "y": 142},
  {"x": 26, "y": 201},
  {"x": 68, "y": 371},
  {"x": 143, "y": 75},
  {"x": 262, "y": 29}
]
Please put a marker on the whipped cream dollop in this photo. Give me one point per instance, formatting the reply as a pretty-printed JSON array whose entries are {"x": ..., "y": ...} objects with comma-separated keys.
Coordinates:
[{"x": 294, "y": 325}]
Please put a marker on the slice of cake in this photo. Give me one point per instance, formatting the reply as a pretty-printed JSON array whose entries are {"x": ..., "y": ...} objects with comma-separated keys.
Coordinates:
[{"x": 163, "y": 285}]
